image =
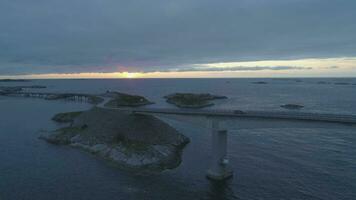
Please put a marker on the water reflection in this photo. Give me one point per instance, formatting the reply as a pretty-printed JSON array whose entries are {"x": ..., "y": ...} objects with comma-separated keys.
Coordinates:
[{"x": 220, "y": 190}]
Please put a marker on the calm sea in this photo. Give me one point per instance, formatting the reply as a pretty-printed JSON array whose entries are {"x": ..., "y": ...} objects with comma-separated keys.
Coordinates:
[{"x": 270, "y": 159}]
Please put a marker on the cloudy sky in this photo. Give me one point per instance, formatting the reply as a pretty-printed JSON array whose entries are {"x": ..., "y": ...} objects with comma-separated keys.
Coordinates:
[{"x": 180, "y": 38}]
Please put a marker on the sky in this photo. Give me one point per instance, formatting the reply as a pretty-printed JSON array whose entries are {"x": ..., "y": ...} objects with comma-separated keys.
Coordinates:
[{"x": 185, "y": 38}]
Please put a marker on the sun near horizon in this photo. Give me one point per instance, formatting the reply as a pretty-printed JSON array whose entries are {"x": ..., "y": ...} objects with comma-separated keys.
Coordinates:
[{"x": 130, "y": 75}]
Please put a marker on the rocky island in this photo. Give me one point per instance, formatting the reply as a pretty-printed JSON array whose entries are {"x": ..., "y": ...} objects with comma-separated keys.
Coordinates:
[
  {"x": 190, "y": 100},
  {"x": 133, "y": 141},
  {"x": 18, "y": 91},
  {"x": 121, "y": 99}
]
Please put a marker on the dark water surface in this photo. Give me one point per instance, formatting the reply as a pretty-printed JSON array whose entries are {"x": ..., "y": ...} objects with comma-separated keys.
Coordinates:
[{"x": 280, "y": 160}]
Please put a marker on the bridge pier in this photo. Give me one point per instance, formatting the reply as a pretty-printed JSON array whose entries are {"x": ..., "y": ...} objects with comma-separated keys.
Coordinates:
[{"x": 219, "y": 169}]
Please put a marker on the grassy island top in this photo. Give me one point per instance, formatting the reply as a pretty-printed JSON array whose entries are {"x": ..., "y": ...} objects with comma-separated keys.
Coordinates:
[{"x": 191, "y": 100}]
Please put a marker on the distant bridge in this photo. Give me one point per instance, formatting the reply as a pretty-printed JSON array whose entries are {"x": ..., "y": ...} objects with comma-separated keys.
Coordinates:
[{"x": 219, "y": 169}]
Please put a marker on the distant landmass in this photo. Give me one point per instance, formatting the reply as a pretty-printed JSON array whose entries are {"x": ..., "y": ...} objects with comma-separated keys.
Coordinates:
[{"x": 14, "y": 80}]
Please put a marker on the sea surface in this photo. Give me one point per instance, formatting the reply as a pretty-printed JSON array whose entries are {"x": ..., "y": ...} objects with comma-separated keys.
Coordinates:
[{"x": 271, "y": 159}]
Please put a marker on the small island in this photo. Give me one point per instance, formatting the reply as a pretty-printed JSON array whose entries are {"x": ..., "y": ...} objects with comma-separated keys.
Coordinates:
[
  {"x": 260, "y": 82},
  {"x": 132, "y": 141},
  {"x": 190, "y": 100},
  {"x": 119, "y": 99},
  {"x": 292, "y": 106}
]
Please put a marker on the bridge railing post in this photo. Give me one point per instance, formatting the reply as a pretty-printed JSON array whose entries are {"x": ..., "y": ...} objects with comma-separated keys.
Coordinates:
[{"x": 219, "y": 169}]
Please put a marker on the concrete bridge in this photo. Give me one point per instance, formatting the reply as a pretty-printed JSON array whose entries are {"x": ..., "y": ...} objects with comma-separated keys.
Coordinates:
[{"x": 219, "y": 168}]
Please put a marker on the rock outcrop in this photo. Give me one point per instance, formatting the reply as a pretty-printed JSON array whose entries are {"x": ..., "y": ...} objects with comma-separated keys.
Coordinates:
[
  {"x": 66, "y": 117},
  {"x": 131, "y": 140}
]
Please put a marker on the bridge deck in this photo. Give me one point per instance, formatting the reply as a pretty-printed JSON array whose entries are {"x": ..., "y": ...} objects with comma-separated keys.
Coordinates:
[{"x": 336, "y": 118}]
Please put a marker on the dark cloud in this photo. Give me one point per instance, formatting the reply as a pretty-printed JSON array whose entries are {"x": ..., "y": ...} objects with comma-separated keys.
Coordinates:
[{"x": 69, "y": 36}]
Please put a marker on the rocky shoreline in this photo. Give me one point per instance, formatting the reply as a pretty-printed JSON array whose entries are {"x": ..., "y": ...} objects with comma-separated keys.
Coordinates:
[
  {"x": 119, "y": 99},
  {"x": 133, "y": 141}
]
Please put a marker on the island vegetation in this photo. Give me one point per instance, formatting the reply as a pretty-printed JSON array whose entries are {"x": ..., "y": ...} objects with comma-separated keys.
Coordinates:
[
  {"x": 121, "y": 99},
  {"x": 191, "y": 100}
]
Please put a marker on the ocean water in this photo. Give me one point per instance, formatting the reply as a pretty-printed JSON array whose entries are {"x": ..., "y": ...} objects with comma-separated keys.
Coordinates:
[{"x": 271, "y": 159}]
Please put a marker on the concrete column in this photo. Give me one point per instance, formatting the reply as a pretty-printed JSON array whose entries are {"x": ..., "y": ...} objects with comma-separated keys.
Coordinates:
[{"x": 219, "y": 169}]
